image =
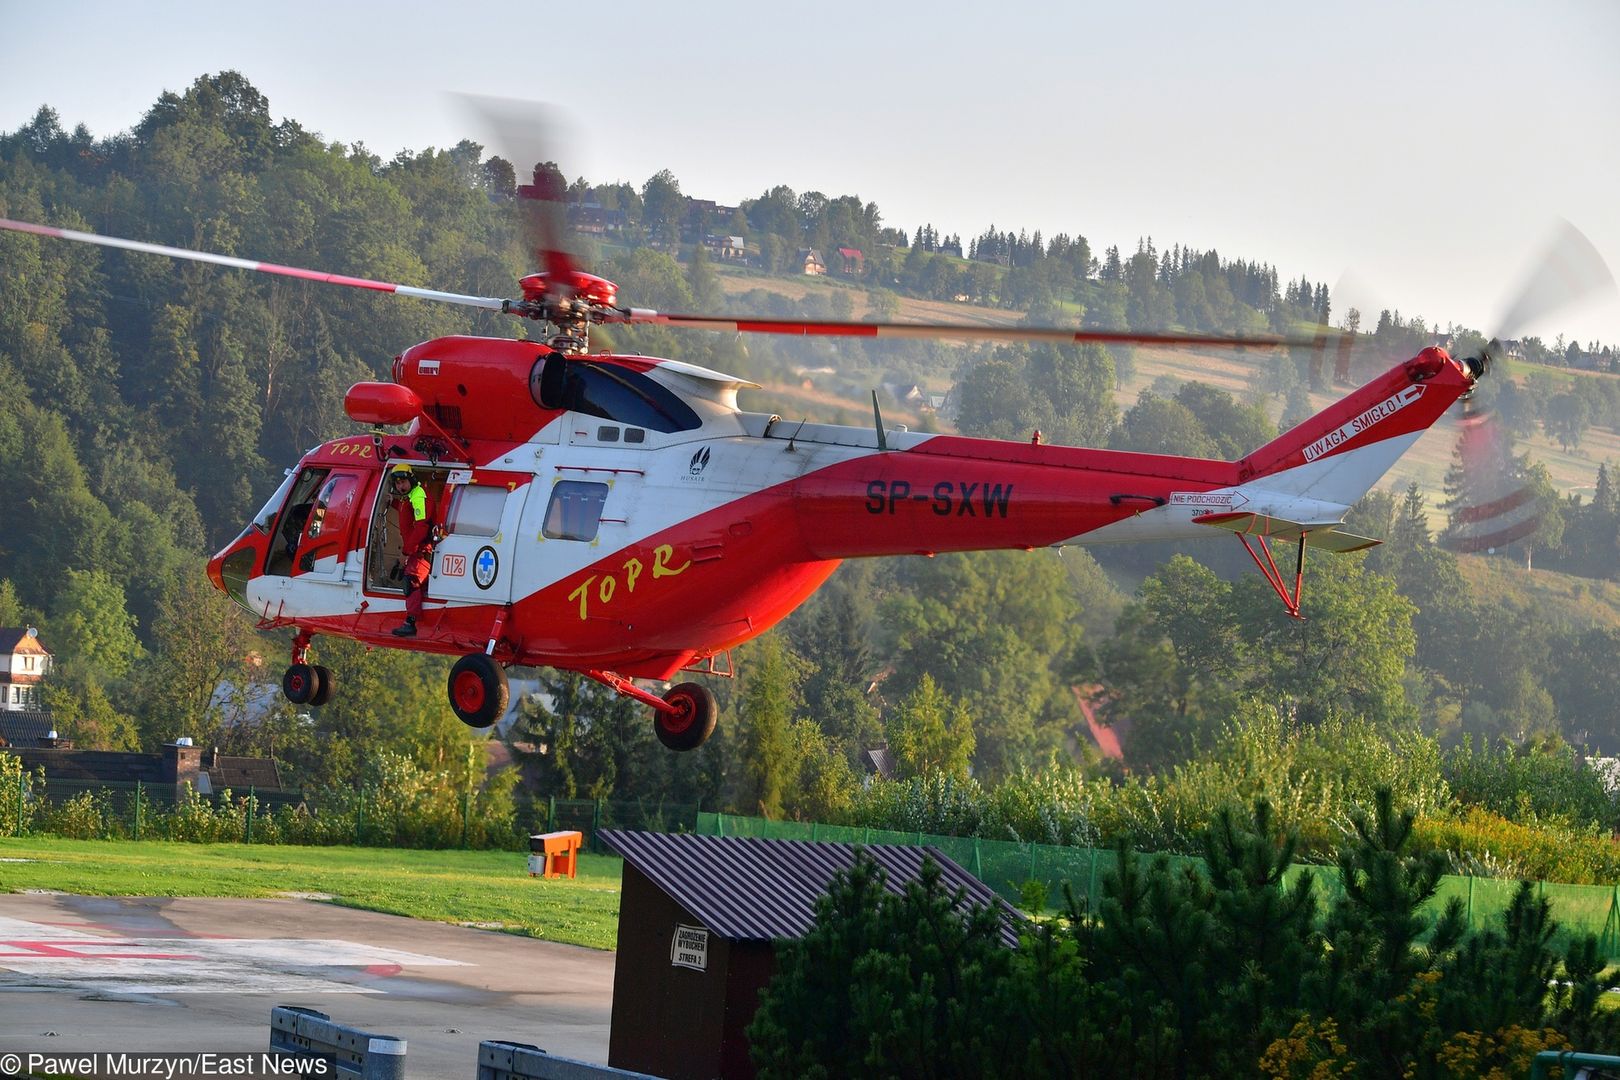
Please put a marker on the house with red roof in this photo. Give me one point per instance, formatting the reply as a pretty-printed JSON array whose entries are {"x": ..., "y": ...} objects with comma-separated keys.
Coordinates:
[{"x": 24, "y": 663}]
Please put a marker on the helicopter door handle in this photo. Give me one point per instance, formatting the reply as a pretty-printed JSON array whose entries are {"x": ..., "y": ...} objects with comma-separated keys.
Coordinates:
[{"x": 1156, "y": 500}]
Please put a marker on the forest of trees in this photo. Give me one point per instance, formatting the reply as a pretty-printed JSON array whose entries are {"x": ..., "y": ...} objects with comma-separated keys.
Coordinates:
[{"x": 152, "y": 405}]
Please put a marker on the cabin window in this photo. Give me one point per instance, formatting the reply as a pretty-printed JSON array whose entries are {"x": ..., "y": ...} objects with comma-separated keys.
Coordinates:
[
  {"x": 607, "y": 434},
  {"x": 634, "y": 435},
  {"x": 476, "y": 511},
  {"x": 575, "y": 512},
  {"x": 610, "y": 392}
]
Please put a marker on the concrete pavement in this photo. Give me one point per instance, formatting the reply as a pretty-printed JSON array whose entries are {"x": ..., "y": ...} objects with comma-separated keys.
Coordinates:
[{"x": 84, "y": 973}]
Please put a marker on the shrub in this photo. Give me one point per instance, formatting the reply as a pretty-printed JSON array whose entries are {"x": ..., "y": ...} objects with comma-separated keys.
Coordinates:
[
  {"x": 1527, "y": 784},
  {"x": 937, "y": 804},
  {"x": 1546, "y": 851},
  {"x": 18, "y": 799},
  {"x": 86, "y": 816}
]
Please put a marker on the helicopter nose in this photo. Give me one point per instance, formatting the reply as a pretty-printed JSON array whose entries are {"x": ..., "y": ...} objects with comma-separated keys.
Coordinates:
[
  {"x": 214, "y": 570},
  {"x": 232, "y": 567}
]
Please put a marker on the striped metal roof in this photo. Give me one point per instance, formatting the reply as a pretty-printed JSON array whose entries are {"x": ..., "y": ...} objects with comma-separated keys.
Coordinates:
[{"x": 750, "y": 889}]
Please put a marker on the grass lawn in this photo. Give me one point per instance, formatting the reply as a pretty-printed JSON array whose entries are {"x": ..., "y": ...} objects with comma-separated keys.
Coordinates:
[{"x": 489, "y": 889}]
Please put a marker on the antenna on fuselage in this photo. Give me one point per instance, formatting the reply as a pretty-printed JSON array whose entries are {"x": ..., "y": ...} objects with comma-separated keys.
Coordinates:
[{"x": 877, "y": 419}]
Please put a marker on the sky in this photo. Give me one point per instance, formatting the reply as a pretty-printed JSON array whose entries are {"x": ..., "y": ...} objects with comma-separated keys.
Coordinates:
[{"x": 1412, "y": 154}]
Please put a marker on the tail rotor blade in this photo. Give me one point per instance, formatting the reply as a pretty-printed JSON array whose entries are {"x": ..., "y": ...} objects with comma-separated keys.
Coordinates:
[{"x": 1569, "y": 270}]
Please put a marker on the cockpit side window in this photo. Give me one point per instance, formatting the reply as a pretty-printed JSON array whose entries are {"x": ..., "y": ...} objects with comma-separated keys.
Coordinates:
[{"x": 610, "y": 392}]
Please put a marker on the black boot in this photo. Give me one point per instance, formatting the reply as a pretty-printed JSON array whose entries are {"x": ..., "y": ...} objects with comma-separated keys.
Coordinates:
[{"x": 408, "y": 629}]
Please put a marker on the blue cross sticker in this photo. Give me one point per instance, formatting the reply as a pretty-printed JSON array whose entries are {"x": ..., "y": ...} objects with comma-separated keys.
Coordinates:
[{"x": 484, "y": 568}]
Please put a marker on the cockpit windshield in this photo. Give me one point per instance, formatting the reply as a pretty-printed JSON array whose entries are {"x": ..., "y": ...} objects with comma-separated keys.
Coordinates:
[{"x": 267, "y": 516}]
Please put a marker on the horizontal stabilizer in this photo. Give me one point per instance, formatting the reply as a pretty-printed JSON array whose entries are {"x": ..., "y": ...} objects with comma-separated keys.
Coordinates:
[{"x": 1327, "y": 535}]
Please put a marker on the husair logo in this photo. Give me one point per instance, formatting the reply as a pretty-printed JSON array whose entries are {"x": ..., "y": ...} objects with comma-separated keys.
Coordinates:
[{"x": 700, "y": 461}]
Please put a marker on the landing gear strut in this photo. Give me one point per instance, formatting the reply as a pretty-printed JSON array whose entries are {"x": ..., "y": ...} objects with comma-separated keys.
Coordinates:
[{"x": 683, "y": 718}]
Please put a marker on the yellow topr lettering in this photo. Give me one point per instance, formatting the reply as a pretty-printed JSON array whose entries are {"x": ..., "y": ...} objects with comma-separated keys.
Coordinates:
[
  {"x": 607, "y": 586},
  {"x": 661, "y": 556},
  {"x": 582, "y": 594}
]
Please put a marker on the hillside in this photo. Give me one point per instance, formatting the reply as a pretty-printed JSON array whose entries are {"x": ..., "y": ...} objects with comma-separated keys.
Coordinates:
[{"x": 1560, "y": 599}]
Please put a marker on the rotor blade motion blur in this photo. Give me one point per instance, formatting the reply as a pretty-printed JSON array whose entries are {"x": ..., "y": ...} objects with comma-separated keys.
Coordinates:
[
  {"x": 488, "y": 303},
  {"x": 525, "y": 133},
  {"x": 956, "y": 331},
  {"x": 1569, "y": 270}
]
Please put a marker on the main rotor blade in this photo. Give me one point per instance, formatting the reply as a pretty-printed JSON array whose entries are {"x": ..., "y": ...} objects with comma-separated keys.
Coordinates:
[
  {"x": 1570, "y": 269},
  {"x": 488, "y": 303},
  {"x": 959, "y": 331},
  {"x": 524, "y": 132}
]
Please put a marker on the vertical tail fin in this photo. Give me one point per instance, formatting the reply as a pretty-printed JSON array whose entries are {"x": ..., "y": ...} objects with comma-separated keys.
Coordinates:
[{"x": 1337, "y": 455}]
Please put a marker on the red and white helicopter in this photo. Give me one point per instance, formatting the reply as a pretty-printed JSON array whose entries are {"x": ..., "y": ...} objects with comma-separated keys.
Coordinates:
[{"x": 622, "y": 517}]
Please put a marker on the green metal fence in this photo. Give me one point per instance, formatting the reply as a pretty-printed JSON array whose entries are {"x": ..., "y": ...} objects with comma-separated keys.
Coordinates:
[
  {"x": 366, "y": 817},
  {"x": 1006, "y": 865},
  {"x": 588, "y": 816}
]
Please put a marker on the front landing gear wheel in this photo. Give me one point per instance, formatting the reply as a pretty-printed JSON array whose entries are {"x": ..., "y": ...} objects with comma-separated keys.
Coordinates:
[
  {"x": 692, "y": 722},
  {"x": 302, "y": 684},
  {"x": 328, "y": 684},
  {"x": 478, "y": 691}
]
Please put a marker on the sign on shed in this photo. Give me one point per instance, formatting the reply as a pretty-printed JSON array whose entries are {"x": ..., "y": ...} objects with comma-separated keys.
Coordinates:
[{"x": 690, "y": 948}]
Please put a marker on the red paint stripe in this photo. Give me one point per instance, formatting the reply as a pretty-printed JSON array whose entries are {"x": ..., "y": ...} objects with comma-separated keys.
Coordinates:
[
  {"x": 45, "y": 950},
  {"x": 330, "y": 279},
  {"x": 1511, "y": 501},
  {"x": 806, "y": 328},
  {"x": 30, "y": 227},
  {"x": 1501, "y": 538}
]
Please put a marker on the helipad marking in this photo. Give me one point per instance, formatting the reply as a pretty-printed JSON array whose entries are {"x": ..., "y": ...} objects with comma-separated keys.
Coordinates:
[{"x": 35, "y": 955}]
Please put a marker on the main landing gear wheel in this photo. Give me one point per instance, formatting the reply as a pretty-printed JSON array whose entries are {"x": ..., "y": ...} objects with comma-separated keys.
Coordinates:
[
  {"x": 328, "y": 684},
  {"x": 302, "y": 684},
  {"x": 478, "y": 690},
  {"x": 692, "y": 722}
]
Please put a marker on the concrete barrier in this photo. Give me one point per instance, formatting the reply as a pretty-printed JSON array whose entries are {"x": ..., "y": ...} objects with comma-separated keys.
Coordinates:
[
  {"x": 499, "y": 1060},
  {"x": 358, "y": 1055}
]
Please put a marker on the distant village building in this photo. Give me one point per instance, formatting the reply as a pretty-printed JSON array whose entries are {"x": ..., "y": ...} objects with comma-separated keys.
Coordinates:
[
  {"x": 25, "y": 727},
  {"x": 729, "y": 248},
  {"x": 26, "y": 663},
  {"x": 704, "y": 214},
  {"x": 1608, "y": 770},
  {"x": 593, "y": 218},
  {"x": 810, "y": 259},
  {"x": 877, "y": 761},
  {"x": 853, "y": 262},
  {"x": 180, "y": 764}
]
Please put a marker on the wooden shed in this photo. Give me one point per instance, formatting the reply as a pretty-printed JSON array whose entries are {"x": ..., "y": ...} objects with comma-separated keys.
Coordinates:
[{"x": 699, "y": 918}]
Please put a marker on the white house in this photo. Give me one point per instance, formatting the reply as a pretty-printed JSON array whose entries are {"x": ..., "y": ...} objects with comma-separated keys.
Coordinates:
[{"x": 23, "y": 664}]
